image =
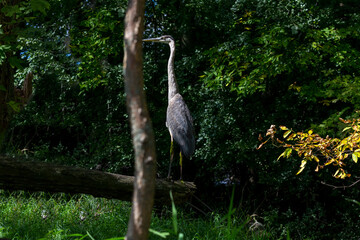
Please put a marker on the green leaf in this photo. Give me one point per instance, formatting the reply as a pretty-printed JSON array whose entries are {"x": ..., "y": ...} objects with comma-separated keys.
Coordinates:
[
  {"x": 9, "y": 11},
  {"x": 14, "y": 105},
  {"x": 118, "y": 238},
  {"x": 87, "y": 234},
  {"x": 39, "y": 5},
  {"x": 159, "y": 234},
  {"x": 2, "y": 88},
  {"x": 16, "y": 62},
  {"x": 174, "y": 214},
  {"x": 353, "y": 201},
  {"x": 288, "y": 152}
]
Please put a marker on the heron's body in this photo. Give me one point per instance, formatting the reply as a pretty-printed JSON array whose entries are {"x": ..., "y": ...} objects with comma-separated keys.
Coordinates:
[
  {"x": 180, "y": 125},
  {"x": 178, "y": 117}
]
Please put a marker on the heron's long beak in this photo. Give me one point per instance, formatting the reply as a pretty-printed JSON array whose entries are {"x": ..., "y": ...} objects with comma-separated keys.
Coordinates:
[{"x": 152, "y": 40}]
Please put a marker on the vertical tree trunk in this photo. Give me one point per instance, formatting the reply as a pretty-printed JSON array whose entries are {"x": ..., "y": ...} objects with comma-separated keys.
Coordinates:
[
  {"x": 6, "y": 71},
  {"x": 6, "y": 95},
  {"x": 141, "y": 127}
]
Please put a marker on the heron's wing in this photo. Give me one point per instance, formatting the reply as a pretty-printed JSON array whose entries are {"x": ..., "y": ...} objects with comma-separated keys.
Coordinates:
[{"x": 180, "y": 124}]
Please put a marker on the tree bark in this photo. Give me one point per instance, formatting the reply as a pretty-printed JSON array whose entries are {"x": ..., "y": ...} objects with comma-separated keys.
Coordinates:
[
  {"x": 6, "y": 70},
  {"x": 141, "y": 127},
  {"x": 6, "y": 95},
  {"x": 47, "y": 177}
]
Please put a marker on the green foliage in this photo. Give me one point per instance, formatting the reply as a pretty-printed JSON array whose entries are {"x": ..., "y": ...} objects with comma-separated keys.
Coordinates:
[
  {"x": 59, "y": 216},
  {"x": 241, "y": 66},
  {"x": 15, "y": 14},
  {"x": 96, "y": 41},
  {"x": 279, "y": 40},
  {"x": 67, "y": 122}
]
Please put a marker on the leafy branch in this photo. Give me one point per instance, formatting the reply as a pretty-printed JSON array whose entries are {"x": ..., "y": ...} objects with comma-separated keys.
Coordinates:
[{"x": 324, "y": 151}]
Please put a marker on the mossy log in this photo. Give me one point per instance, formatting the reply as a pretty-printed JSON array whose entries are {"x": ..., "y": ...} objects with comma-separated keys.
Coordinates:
[{"x": 48, "y": 177}]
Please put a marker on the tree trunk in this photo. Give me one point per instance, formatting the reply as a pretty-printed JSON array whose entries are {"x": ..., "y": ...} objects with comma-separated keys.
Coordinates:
[
  {"x": 47, "y": 177},
  {"x": 6, "y": 95},
  {"x": 141, "y": 127},
  {"x": 6, "y": 71}
]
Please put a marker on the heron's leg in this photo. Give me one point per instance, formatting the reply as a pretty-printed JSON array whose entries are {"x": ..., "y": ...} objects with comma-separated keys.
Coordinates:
[
  {"x": 171, "y": 156},
  {"x": 181, "y": 159}
]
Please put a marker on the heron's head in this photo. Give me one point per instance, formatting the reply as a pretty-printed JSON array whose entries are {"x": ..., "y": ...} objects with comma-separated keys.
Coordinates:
[{"x": 163, "y": 39}]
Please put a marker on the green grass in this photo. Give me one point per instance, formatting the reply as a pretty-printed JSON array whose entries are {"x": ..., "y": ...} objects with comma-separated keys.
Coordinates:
[{"x": 37, "y": 216}]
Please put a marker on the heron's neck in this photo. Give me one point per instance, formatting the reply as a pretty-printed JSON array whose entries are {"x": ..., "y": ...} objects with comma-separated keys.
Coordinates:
[{"x": 173, "y": 87}]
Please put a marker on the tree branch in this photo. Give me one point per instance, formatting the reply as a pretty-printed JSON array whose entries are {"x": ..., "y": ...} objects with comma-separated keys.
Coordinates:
[
  {"x": 47, "y": 177},
  {"x": 343, "y": 187}
]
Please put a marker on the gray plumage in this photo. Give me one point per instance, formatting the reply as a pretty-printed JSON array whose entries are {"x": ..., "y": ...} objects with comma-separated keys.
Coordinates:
[
  {"x": 180, "y": 124},
  {"x": 178, "y": 117}
]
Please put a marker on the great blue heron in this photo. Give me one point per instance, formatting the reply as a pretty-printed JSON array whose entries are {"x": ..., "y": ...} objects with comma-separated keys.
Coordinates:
[{"x": 178, "y": 118}]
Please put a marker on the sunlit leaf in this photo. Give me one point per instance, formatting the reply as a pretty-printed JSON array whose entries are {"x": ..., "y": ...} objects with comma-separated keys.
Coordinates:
[
  {"x": 316, "y": 158},
  {"x": 286, "y": 133},
  {"x": 281, "y": 155},
  {"x": 300, "y": 170},
  {"x": 303, "y": 163},
  {"x": 347, "y": 128},
  {"x": 354, "y": 157},
  {"x": 283, "y": 128},
  {"x": 288, "y": 152},
  {"x": 159, "y": 234},
  {"x": 302, "y": 166}
]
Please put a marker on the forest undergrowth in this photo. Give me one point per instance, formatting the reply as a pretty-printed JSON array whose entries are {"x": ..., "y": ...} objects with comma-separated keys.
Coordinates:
[{"x": 30, "y": 216}]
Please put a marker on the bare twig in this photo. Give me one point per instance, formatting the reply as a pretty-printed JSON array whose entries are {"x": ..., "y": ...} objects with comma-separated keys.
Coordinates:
[{"x": 339, "y": 187}]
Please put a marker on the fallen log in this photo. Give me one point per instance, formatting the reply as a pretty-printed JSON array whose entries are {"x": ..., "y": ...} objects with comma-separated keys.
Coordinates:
[{"x": 48, "y": 177}]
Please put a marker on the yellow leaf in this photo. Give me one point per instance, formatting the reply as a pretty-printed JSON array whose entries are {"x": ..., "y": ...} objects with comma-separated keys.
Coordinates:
[
  {"x": 300, "y": 170},
  {"x": 355, "y": 157},
  {"x": 345, "y": 129},
  {"x": 286, "y": 133},
  {"x": 310, "y": 132},
  {"x": 291, "y": 137},
  {"x": 281, "y": 155},
  {"x": 316, "y": 158},
  {"x": 283, "y": 128},
  {"x": 303, "y": 163}
]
